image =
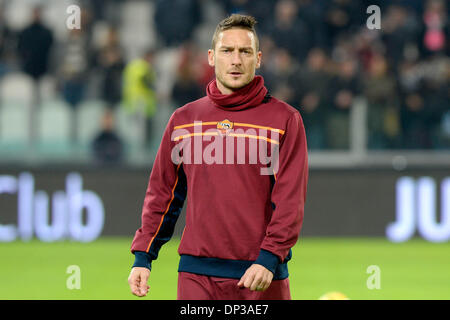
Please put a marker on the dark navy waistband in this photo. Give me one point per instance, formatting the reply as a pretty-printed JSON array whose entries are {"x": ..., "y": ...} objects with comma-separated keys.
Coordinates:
[{"x": 223, "y": 268}]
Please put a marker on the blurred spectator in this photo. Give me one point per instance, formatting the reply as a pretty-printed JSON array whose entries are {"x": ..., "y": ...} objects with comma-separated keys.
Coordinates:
[
  {"x": 413, "y": 121},
  {"x": 312, "y": 13},
  {"x": 401, "y": 30},
  {"x": 6, "y": 38},
  {"x": 110, "y": 61},
  {"x": 436, "y": 96},
  {"x": 267, "y": 47},
  {"x": 176, "y": 20},
  {"x": 342, "y": 17},
  {"x": 280, "y": 77},
  {"x": 73, "y": 73},
  {"x": 193, "y": 74},
  {"x": 139, "y": 96},
  {"x": 409, "y": 76},
  {"x": 343, "y": 91},
  {"x": 186, "y": 88},
  {"x": 435, "y": 20},
  {"x": 383, "y": 118},
  {"x": 425, "y": 100},
  {"x": 313, "y": 96},
  {"x": 367, "y": 45},
  {"x": 107, "y": 146},
  {"x": 257, "y": 9},
  {"x": 288, "y": 31},
  {"x": 34, "y": 45}
]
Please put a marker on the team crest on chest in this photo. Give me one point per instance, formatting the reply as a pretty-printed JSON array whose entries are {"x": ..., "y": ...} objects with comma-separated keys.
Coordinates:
[{"x": 224, "y": 127}]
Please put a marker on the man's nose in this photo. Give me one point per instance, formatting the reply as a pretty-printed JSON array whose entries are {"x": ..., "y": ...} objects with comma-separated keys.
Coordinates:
[{"x": 236, "y": 58}]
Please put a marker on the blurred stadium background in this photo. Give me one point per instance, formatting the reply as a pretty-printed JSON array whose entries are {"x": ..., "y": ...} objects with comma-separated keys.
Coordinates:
[{"x": 82, "y": 112}]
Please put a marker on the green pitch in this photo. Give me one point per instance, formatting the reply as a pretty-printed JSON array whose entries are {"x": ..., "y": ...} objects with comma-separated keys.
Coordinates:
[{"x": 413, "y": 270}]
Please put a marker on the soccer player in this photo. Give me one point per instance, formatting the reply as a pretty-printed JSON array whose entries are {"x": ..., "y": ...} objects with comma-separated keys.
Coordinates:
[{"x": 244, "y": 213}]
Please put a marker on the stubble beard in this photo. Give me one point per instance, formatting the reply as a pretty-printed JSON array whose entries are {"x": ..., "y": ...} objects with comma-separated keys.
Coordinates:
[{"x": 229, "y": 85}]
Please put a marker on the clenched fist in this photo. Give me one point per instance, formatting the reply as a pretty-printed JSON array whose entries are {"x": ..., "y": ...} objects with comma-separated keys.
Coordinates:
[{"x": 138, "y": 281}]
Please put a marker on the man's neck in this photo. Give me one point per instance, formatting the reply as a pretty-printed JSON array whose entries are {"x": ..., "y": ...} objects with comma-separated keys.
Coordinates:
[
  {"x": 225, "y": 90},
  {"x": 222, "y": 88}
]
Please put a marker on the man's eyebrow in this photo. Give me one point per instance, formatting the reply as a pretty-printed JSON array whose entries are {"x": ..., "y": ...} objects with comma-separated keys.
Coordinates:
[{"x": 232, "y": 47}]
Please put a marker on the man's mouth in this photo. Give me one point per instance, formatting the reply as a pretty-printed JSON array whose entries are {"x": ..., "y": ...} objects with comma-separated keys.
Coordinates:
[{"x": 235, "y": 73}]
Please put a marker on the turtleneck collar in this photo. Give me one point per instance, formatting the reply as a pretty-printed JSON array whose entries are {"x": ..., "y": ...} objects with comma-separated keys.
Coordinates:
[{"x": 248, "y": 96}]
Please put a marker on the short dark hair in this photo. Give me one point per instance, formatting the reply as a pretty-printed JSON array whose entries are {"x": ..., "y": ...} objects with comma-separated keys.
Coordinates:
[{"x": 239, "y": 21}]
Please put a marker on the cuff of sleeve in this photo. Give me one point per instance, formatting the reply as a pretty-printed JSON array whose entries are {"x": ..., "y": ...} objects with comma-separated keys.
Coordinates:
[
  {"x": 268, "y": 260},
  {"x": 142, "y": 259}
]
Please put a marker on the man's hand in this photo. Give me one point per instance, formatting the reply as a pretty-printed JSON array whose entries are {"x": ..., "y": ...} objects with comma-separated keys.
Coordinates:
[
  {"x": 138, "y": 281},
  {"x": 256, "y": 278}
]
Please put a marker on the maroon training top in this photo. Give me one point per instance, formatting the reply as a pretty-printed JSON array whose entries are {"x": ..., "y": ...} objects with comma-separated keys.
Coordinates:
[{"x": 241, "y": 161}]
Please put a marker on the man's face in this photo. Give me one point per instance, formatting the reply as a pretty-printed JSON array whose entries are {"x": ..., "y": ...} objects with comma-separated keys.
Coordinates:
[{"x": 234, "y": 59}]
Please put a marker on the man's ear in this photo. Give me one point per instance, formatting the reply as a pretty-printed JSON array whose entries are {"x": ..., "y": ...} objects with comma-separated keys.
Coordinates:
[
  {"x": 211, "y": 61},
  {"x": 258, "y": 59}
]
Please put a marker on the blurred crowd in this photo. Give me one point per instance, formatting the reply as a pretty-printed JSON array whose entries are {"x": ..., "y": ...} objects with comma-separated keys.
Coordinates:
[{"x": 318, "y": 55}]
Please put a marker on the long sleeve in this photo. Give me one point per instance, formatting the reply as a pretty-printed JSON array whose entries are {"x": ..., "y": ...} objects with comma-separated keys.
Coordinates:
[
  {"x": 164, "y": 199},
  {"x": 288, "y": 196}
]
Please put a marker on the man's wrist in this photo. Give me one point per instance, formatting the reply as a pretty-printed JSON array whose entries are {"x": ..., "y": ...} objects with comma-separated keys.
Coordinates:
[
  {"x": 268, "y": 260},
  {"x": 142, "y": 260}
]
